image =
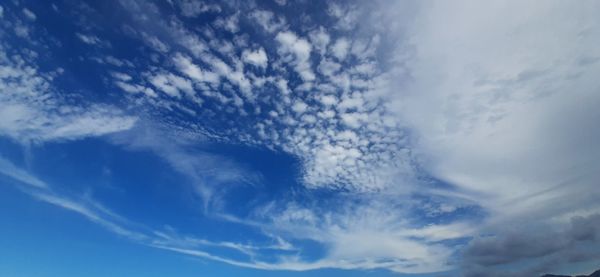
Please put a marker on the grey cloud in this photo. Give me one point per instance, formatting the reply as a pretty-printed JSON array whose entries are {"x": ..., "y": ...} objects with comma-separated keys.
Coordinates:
[{"x": 541, "y": 249}]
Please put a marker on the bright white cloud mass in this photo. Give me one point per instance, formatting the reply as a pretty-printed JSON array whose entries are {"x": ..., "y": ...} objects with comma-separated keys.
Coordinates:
[{"x": 450, "y": 137}]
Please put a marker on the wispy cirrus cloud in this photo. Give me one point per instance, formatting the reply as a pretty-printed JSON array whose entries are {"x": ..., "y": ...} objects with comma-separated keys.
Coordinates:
[{"x": 136, "y": 232}]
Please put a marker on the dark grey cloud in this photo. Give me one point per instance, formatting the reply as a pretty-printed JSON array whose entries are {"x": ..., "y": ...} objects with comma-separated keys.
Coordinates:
[{"x": 533, "y": 250}]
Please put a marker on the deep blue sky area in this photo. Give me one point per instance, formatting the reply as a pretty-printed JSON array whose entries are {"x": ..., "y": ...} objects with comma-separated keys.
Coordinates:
[{"x": 299, "y": 138}]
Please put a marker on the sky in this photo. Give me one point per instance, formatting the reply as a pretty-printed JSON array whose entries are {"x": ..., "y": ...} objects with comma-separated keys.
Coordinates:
[{"x": 299, "y": 138}]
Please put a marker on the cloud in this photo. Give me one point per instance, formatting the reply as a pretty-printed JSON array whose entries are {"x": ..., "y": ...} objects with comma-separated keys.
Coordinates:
[
  {"x": 29, "y": 14},
  {"x": 155, "y": 43},
  {"x": 211, "y": 175},
  {"x": 302, "y": 127},
  {"x": 86, "y": 207},
  {"x": 296, "y": 52},
  {"x": 345, "y": 15},
  {"x": 136, "y": 232},
  {"x": 267, "y": 20},
  {"x": 257, "y": 58},
  {"x": 328, "y": 67},
  {"x": 281, "y": 2},
  {"x": 340, "y": 48},
  {"x": 9, "y": 169},
  {"x": 25, "y": 123},
  {"x": 194, "y": 8},
  {"x": 320, "y": 39},
  {"x": 300, "y": 49},
  {"x": 132, "y": 88},
  {"x": 492, "y": 124},
  {"x": 498, "y": 100},
  {"x": 543, "y": 249},
  {"x": 230, "y": 23},
  {"x": 32, "y": 113},
  {"x": 299, "y": 107},
  {"x": 171, "y": 84},
  {"x": 88, "y": 39},
  {"x": 185, "y": 65},
  {"x": 362, "y": 235}
]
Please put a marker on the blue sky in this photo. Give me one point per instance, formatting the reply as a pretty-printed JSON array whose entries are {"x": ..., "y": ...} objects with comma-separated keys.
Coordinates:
[{"x": 298, "y": 138}]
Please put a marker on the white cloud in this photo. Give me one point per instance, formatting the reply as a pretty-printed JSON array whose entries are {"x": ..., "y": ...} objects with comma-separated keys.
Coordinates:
[
  {"x": 29, "y": 14},
  {"x": 234, "y": 75},
  {"x": 89, "y": 39},
  {"x": 185, "y": 65},
  {"x": 309, "y": 119},
  {"x": 328, "y": 67},
  {"x": 320, "y": 39},
  {"x": 267, "y": 20},
  {"x": 346, "y": 15},
  {"x": 133, "y": 88},
  {"x": 230, "y": 23},
  {"x": 9, "y": 169},
  {"x": 300, "y": 49},
  {"x": 21, "y": 30},
  {"x": 93, "y": 123},
  {"x": 163, "y": 83},
  {"x": 282, "y": 84},
  {"x": 257, "y": 58},
  {"x": 360, "y": 113},
  {"x": 327, "y": 114},
  {"x": 328, "y": 100},
  {"x": 299, "y": 107},
  {"x": 295, "y": 52},
  {"x": 32, "y": 113},
  {"x": 172, "y": 85},
  {"x": 155, "y": 43},
  {"x": 355, "y": 102},
  {"x": 26, "y": 123},
  {"x": 112, "y": 61},
  {"x": 190, "y": 8},
  {"x": 340, "y": 48},
  {"x": 352, "y": 120},
  {"x": 121, "y": 76},
  {"x": 362, "y": 236},
  {"x": 492, "y": 105}
]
